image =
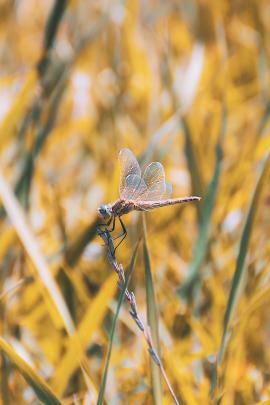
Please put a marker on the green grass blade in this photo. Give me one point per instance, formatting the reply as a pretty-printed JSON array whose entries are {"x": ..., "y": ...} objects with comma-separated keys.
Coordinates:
[
  {"x": 244, "y": 244},
  {"x": 23, "y": 184},
  {"x": 50, "y": 33},
  {"x": 53, "y": 23},
  {"x": 196, "y": 180},
  {"x": 152, "y": 317},
  {"x": 263, "y": 75},
  {"x": 264, "y": 119},
  {"x": 186, "y": 290},
  {"x": 42, "y": 390},
  {"x": 120, "y": 301}
]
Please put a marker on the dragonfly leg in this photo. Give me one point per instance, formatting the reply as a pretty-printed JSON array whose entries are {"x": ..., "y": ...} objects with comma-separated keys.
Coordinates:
[
  {"x": 113, "y": 224},
  {"x": 106, "y": 229},
  {"x": 124, "y": 234},
  {"x": 123, "y": 231}
]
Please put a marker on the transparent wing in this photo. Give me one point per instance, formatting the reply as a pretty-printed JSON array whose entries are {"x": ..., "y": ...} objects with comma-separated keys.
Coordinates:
[
  {"x": 134, "y": 186},
  {"x": 168, "y": 191},
  {"x": 129, "y": 166},
  {"x": 156, "y": 186}
]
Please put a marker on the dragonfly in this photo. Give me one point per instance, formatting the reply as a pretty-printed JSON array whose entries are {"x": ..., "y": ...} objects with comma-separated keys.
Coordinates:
[{"x": 138, "y": 192}]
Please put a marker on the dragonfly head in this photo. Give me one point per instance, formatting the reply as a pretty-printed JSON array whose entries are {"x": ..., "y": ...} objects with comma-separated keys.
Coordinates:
[{"x": 105, "y": 212}]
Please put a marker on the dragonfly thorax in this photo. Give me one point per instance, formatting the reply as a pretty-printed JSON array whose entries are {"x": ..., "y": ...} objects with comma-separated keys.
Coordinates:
[{"x": 105, "y": 211}]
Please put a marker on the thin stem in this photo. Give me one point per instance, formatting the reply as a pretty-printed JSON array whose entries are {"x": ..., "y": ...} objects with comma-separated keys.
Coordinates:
[
  {"x": 164, "y": 375},
  {"x": 130, "y": 297}
]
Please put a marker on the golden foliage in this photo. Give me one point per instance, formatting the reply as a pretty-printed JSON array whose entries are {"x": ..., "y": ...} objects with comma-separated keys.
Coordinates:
[{"x": 184, "y": 83}]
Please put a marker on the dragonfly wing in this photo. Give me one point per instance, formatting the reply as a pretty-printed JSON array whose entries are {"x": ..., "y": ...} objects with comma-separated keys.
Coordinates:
[
  {"x": 134, "y": 186},
  {"x": 154, "y": 178},
  {"x": 129, "y": 166},
  {"x": 168, "y": 191}
]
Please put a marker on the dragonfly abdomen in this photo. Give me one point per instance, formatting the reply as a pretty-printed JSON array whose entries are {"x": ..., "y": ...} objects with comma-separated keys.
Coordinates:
[{"x": 149, "y": 205}]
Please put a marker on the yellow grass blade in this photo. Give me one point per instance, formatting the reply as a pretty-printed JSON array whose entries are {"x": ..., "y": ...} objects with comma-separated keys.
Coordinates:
[
  {"x": 80, "y": 340},
  {"x": 183, "y": 376},
  {"x": 42, "y": 390},
  {"x": 18, "y": 109},
  {"x": 18, "y": 220}
]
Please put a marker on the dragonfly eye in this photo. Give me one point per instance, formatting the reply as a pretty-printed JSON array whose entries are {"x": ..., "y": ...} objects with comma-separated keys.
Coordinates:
[{"x": 104, "y": 212}]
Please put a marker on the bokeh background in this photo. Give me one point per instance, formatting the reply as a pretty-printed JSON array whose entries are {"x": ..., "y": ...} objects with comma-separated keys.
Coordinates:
[{"x": 183, "y": 83}]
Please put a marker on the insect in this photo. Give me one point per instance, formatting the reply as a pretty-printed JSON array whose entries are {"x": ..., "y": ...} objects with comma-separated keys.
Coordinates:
[{"x": 138, "y": 192}]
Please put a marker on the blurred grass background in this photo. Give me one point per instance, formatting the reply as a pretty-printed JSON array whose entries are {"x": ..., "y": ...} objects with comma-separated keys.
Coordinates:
[{"x": 184, "y": 83}]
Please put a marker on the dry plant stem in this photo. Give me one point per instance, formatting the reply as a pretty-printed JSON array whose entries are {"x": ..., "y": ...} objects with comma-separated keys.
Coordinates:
[
  {"x": 164, "y": 375},
  {"x": 130, "y": 297},
  {"x": 13, "y": 289}
]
